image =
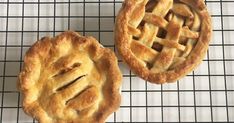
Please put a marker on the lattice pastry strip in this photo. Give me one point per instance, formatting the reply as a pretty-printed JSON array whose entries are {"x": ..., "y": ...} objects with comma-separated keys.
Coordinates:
[
  {"x": 166, "y": 56},
  {"x": 154, "y": 22},
  {"x": 162, "y": 23},
  {"x": 159, "y": 39}
]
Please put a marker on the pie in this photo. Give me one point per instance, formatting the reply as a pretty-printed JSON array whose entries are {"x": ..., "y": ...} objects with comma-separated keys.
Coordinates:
[
  {"x": 70, "y": 79},
  {"x": 163, "y": 40}
]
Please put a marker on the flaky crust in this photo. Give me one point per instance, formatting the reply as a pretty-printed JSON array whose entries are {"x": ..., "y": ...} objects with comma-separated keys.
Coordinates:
[
  {"x": 122, "y": 39},
  {"x": 51, "y": 52}
]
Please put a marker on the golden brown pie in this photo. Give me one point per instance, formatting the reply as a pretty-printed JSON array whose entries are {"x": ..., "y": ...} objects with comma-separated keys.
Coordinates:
[
  {"x": 163, "y": 40},
  {"x": 70, "y": 79}
]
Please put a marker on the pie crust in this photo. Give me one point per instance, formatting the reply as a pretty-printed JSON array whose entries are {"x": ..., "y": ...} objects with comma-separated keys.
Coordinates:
[
  {"x": 70, "y": 79},
  {"x": 162, "y": 40}
]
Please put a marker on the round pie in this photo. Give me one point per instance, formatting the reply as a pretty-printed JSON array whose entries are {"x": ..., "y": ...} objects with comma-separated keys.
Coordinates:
[
  {"x": 163, "y": 40},
  {"x": 70, "y": 79}
]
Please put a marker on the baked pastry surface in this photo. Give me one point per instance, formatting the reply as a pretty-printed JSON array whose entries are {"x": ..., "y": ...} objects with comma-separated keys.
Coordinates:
[
  {"x": 162, "y": 40},
  {"x": 70, "y": 79}
]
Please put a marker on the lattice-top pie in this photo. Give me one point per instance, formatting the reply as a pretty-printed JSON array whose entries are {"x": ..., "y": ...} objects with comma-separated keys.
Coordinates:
[
  {"x": 162, "y": 40},
  {"x": 70, "y": 79}
]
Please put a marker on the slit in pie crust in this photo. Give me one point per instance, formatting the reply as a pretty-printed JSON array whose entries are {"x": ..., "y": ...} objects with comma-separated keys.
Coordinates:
[
  {"x": 70, "y": 79},
  {"x": 162, "y": 40}
]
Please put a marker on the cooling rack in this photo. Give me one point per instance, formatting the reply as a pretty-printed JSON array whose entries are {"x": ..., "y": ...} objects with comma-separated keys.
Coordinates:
[{"x": 205, "y": 95}]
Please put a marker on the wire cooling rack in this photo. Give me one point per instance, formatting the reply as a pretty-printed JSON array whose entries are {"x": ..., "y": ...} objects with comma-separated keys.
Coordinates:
[{"x": 205, "y": 95}]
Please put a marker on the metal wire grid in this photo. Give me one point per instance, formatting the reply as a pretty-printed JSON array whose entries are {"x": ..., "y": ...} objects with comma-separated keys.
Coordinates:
[{"x": 205, "y": 95}]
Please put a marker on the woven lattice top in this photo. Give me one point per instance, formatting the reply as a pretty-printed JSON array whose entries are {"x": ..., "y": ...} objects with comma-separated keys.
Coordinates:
[{"x": 162, "y": 33}]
